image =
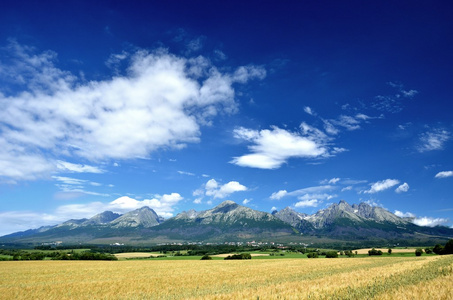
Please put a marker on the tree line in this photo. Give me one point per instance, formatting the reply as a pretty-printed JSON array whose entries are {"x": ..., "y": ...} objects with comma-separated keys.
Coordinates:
[{"x": 54, "y": 255}]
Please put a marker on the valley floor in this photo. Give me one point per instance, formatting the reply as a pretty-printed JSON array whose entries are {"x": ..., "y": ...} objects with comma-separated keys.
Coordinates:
[{"x": 426, "y": 277}]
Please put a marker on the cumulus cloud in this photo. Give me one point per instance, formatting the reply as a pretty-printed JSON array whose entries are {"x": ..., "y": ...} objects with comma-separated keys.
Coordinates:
[
  {"x": 404, "y": 215},
  {"x": 307, "y": 197},
  {"x": 161, "y": 101},
  {"x": 307, "y": 203},
  {"x": 382, "y": 185},
  {"x": 402, "y": 188},
  {"x": 278, "y": 195},
  {"x": 433, "y": 139},
  {"x": 430, "y": 222},
  {"x": 163, "y": 205},
  {"x": 444, "y": 174},
  {"x": 214, "y": 189},
  {"x": 272, "y": 148},
  {"x": 312, "y": 200},
  {"x": 422, "y": 221}
]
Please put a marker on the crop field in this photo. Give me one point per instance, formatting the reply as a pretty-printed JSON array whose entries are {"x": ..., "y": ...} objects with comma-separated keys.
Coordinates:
[
  {"x": 384, "y": 250},
  {"x": 425, "y": 277}
]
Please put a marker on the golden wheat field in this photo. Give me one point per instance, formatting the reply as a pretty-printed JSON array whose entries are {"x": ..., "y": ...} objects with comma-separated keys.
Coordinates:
[{"x": 429, "y": 277}]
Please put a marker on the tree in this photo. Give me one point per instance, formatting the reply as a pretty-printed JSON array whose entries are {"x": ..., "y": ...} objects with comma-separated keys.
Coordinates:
[
  {"x": 239, "y": 256},
  {"x": 206, "y": 257},
  {"x": 389, "y": 251},
  {"x": 331, "y": 254},
  {"x": 418, "y": 252},
  {"x": 448, "y": 248},
  {"x": 312, "y": 255},
  {"x": 374, "y": 252},
  {"x": 438, "y": 249}
]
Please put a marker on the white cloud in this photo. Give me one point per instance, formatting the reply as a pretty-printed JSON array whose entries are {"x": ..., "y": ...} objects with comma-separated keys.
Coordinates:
[
  {"x": 348, "y": 122},
  {"x": 65, "y": 166},
  {"x": 393, "y": 103},
  {"x": 430, "y": 222},
  {"x": 444, "y": 174},
  {"x": 409, "y": 94},
  {"x": 334, "y": 180},
  {"x": 307, "y": 203},
  {"x": 213, "y": 189},
  {"x": 197, "y": 201},
  {"x": 361, "y": 116},
  {"x": 309, "y": 111},
  {"x": 348, "y": 188},
  {"x": 421, "y": 221},
  {"x": 73, "y": 188},
  {"x": 308, "y": 197},
  {"x": 330, "y": 128},
  {"x": 69, "y": 180},
  {"x": 160, "y": 102},
  {"x": 337, "y": 150},
  {"x": 317, "y": 196},
  {"x": 163, "y": 205},
  {"x": 404, "y": 215},
  {"x": 402, "y": 188},
  {"x": 186, "y": 173},
  {"x": 246, "y": 201},
  {"x": 278, "y": 195},
  {"x": 433, "y": 139},
  {"x": 382, "y": 185},
  {"x": 272, "y": 148}
]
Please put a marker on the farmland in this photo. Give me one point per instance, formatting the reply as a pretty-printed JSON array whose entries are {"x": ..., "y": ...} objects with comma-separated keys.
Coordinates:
[{"x": 427, "y": 277}]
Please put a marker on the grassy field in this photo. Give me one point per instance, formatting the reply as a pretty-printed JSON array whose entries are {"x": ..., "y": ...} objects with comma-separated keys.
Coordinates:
[{"x": 425, "y": 277}]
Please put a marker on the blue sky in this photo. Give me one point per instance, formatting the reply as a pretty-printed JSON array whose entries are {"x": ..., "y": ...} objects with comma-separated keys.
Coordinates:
[{"x": 108, "y": 105}]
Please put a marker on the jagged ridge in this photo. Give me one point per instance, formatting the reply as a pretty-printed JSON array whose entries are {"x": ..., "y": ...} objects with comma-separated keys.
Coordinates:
[{"x": 230, "y": 221}]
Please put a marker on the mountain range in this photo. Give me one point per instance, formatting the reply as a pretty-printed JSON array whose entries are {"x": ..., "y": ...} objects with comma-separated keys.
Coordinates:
[{"x": 231, "y": 222}]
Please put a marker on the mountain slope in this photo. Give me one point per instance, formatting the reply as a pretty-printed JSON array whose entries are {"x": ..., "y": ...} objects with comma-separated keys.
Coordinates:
[
  {"x": 358, "y": 222},
  {"x": 227, "y": 221}
]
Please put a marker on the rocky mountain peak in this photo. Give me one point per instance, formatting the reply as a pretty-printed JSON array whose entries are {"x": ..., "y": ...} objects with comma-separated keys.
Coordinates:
[
  {"x": 102, "y": 218},
  {"x": 190, "y": 214},
  {"x": 144, "y": 216},
  {"x": 225, "y": 206},
  {"x": 290, "y": 216}
]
